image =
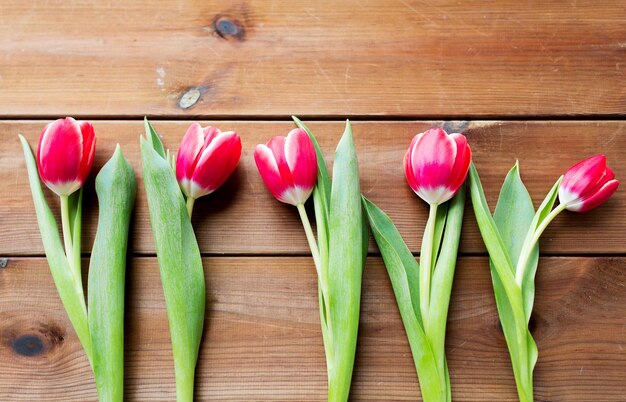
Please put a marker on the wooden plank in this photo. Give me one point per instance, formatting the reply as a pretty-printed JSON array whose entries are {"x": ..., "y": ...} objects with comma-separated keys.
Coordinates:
[
  {"x": 243, "y": 209},
  {"x": 362, "y": 57},
  {"x": 263, "y": 340}
]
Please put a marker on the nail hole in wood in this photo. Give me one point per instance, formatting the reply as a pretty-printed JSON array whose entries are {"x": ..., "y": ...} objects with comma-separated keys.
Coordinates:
[{"x": 4, "y": 262}]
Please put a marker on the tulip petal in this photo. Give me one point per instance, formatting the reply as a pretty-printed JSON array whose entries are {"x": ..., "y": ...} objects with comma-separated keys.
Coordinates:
[
  {"x": 581, "y": 178},
  {"x": 433, "y": 159},
  {"x": 189, "y": 151},
  {"x": 277, "y": 146},
  {"x": 301, "y": 159},
  {"x": 268, "y": 168},
  {"x": 59, "y": 155},
  {"x": 596, "y": 199},
  {"x": 89, "y": 149},
  {"x": 461, "y": 163},
  {"x": 216, "y": 164},
  {"x": 408, "y": 164}
]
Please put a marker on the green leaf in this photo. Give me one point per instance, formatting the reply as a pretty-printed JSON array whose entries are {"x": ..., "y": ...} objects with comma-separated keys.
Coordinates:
[
  {"x": 68, "y": 285},
  {"x": 403, "y": 273},
  {"x": 180, "y": 265},
  {"x": 116, "y": 188},
  {"x": 513, "y": 216},
  {"x": 507, "y": 293},
  {"x": 153, "y": 138},
  {"x": 345, "y": 266},
  {"x": 321, "y": 201},
  {"x": 514, "y": 213},
  {"x": 489, "y": 231}
]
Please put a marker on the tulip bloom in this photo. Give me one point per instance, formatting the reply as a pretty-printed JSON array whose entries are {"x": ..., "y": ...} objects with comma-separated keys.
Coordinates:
[
  {"x": 65, "y": 155},
  {"x": 436, "y": 164},
  {"x": 587, "y": 184},
  {"x": 288, "y": 166},
  {"x": 206, "y": 157}
]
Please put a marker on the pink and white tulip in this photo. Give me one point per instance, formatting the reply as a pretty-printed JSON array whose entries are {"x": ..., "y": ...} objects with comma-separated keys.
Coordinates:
[
  {"x": 288, "y": 166},
  {"x": 65, "y": 155},
  {"x": 587, "y": 184},
  {"x": 206, "y": 158},
  {"x": 436, "y": 165}
]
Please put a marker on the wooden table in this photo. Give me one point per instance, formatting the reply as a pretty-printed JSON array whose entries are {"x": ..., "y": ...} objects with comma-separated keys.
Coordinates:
[{"x": 538, "y": 81}]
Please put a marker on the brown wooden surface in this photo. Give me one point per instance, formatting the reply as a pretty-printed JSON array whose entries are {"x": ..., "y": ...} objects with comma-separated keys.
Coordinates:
[
  {"x": 243, "y": 209},
  {"x": 361, "y": 57},
  {"x": 263, "y": 340},
  {"x": 535, "y": 68}
]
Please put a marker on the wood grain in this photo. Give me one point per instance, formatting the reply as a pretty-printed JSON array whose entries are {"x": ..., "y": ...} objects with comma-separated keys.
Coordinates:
[
  {"x": 264, "y": 58},
  {"x": 263, "y": 340},
  {"x": 243, "y": 209}
]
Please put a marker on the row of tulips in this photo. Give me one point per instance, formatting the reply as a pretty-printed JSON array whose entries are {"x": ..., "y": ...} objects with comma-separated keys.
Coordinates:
[{"x": 436, "y": 166}]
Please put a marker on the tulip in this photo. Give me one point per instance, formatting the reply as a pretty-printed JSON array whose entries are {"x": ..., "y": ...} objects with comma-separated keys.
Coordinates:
[
  {"x": 288, "y": 166},
  {"x": 587, "y": 184},
  {"x": 207, "y": 156},
  {"x": 65, "y": 155},
  {"x": 436, "y": 165}
]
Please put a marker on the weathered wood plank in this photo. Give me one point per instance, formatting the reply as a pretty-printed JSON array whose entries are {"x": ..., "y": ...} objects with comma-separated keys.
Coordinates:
[
  {"x": 245, "y": 210},
  {"x": 263, "y": 340},
  {"x": 413, "y": 57}
]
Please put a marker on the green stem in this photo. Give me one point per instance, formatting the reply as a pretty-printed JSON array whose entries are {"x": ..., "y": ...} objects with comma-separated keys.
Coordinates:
[
  {"x": 67, "y": 236},
  {"x": 184, "y": 386},
  {"x": 426, "y": 264},
  {"x": 312, "y": 242},
  {"x": 531, "y": 240},
  {"x": 323, "y": 286},
  {"x": 190, "y": 202}
]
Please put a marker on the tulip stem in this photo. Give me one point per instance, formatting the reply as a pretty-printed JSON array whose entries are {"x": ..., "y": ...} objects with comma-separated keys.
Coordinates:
[
  {"x": 311, "y": 238},
  {"x": 190, "y": 202},
  {"x": 426, "y": 264},
  {"x": 530, "y": 244},
  {"x": 67, "y": 234}
]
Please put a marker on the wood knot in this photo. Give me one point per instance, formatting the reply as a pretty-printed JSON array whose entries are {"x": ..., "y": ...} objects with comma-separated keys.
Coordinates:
[
  {"x": 28, "y": 345},
  {"x": 229, "y": 28},
  {"x": 189, "y": 98},
  {"x": 455, "y": 126},
  {"x": 34, "y": 342}
]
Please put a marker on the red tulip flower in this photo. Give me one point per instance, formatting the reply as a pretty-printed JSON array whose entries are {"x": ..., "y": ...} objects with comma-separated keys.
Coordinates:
[
  {"x": 288, "y": 166},
  {"x": 587, "y": 184},
  {"x": 436, "y": 165},
  {"x": 207, "y": 156},
  {"x": 65, "y": 155}
]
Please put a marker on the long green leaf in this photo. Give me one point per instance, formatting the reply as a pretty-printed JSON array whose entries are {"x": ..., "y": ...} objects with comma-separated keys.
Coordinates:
[
  {"x": 513, "y": 217},
  {"x": 116, "y": 188},
  {"x": 508, "y": 295},
  {"x": 68, "y": 285},
  {"x": 321, "y": 201},
  {"x": 180, "y": 265},
  {"x": 345, "y": 266},
  {"x": 403, "y": 274}
]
